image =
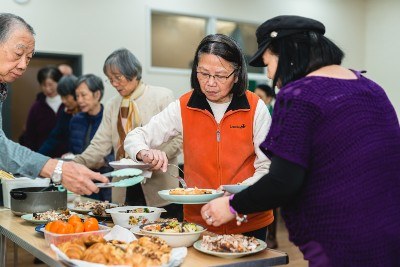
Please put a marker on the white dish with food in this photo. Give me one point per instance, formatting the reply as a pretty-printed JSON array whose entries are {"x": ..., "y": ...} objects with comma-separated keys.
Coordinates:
[
  {"x": 239, "y": 246},
  {"x": 176, "y": 234},
  {"x": 190, "y": 198},
  {"x": 134, "y": 216}
]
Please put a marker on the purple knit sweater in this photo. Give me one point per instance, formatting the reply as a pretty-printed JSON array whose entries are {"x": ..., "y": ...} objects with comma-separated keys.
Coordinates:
[{"x": 347, "y": 135}]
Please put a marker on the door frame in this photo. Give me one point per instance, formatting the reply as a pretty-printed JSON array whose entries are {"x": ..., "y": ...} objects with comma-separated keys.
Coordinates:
[{"x": 74, "y": 60}]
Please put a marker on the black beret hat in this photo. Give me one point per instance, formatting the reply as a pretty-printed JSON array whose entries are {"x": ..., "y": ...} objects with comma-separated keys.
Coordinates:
[{"x": 279, "y": 27}]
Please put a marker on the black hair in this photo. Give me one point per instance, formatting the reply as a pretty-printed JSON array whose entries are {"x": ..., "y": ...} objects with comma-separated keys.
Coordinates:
[
  {"x": 66, "y": 85},
  {"x": 125, "y": 62},
  {"x": 266, "y": 89},
  {"x": 226, "y": 48},
  {"x": 8, "y": 22},
  {"x": 49, "y": 72},
  {"x": 93, "y": 82},
  {"x": 302, "y": 53}
]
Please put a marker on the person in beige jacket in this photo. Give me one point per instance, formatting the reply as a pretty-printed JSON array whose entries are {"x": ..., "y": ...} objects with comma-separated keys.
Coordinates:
[{"x": 136, "y": 103}]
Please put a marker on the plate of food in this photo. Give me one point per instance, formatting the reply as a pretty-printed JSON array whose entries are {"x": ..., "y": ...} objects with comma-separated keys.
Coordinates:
[
  {"x": 85, "y": 207},
  {"x": 234, "y": 188},
  {"x": 44, "y": 217},
  {"x": 229, "y": 246},
  {"x": 128, "y": 163},
  {"x": 189, "y": 195},
  {"x": 176, "y": 234}
]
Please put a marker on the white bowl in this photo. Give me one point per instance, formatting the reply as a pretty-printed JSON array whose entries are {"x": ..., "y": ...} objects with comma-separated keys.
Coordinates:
[
  {"x": 174, "y": 239},
  {"x": 129, "y": 220}
]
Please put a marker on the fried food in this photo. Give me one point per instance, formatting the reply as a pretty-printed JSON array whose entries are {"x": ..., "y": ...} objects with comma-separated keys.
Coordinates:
[
  {"x": 146, "y": 251},
  {"x": 189, "y": 191}
]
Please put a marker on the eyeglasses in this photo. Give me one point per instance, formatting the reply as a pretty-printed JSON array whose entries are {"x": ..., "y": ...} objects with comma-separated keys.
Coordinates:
[
  {"x": 202, "y": 76},
  {"x": 117, "y": 78}
]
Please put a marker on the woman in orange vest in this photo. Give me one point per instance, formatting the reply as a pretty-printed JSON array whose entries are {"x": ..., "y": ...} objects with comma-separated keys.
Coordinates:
[{"x": 222, "y": 124}]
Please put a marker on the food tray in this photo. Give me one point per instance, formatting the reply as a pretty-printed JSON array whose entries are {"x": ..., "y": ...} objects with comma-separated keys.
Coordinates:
[{"x": 53, "y": 238}]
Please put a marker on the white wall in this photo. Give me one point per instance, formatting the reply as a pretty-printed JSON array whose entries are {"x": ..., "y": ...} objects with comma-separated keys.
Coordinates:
[
  {"x": 95, "y": 28},
  {"x": 382, "y": 46}
]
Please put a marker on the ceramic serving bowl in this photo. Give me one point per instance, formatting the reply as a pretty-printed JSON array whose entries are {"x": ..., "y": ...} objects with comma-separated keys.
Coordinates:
[
  {"x": 174, "y": 239},
  {"x": 134, "y": 216}
]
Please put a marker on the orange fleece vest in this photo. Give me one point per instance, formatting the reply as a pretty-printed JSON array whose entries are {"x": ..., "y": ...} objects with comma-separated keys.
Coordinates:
[{"x": 217, "y": 154}]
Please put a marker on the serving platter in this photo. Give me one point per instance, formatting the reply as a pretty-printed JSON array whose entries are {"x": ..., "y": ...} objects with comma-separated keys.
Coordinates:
[
  {"x": 126, "y": 163},
  {"x": 234, "y": 188},
  {"x": 29, "y": 218},
  {"x": 190, "y": 199},
  {"x": 229, "y": 255}
]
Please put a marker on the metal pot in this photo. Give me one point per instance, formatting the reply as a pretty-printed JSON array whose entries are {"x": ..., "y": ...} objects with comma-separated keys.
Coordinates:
[{"x": 37, "y": 199}]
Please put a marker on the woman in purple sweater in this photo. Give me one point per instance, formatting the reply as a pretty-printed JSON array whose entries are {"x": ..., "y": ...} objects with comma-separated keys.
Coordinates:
[{"x": 334, "y": 146}]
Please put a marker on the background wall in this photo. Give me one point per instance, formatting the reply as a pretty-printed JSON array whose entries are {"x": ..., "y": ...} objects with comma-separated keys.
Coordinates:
[{"x": 95, "y": 28}]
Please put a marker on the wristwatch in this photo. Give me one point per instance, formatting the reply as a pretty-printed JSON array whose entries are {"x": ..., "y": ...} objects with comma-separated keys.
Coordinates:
[{"x": 56, "y": 177}]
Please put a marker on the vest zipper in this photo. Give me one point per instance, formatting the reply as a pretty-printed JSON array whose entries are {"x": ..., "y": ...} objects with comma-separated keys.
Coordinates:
[{"x": 218, "y": 135}]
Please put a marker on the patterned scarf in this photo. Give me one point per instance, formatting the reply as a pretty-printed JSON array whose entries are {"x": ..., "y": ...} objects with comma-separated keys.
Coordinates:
[
  {"x": 3, "y": 92},
  {"x": 128, "y": 118}
]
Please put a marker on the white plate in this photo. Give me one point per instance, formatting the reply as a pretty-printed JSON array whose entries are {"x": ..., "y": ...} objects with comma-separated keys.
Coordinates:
[
  {"x": 229, "y": 255},
  {"x": 79, "y": 210},
  {"x": 190, "y": 199},
  {"x": 128, "y": 164},
  {"x": 29, "y": 218},
  {"x": 234, "y": 188},
  {"x": 72, "y": 207}
]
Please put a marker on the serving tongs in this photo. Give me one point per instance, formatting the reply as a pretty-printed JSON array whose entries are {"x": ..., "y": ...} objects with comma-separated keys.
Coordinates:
[
  {"x": 133, "y": 175},
  {"x": 181, "y": 181}
]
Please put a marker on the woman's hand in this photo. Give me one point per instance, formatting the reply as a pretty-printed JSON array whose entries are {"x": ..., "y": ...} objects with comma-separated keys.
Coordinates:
[
  {"x": 155, "y": 158},
  {"x": 217, "y": 212}
]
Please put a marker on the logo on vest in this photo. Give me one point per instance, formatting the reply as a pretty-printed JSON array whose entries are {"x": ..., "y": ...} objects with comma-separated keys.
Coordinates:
[{"x": 238, "y": 126}]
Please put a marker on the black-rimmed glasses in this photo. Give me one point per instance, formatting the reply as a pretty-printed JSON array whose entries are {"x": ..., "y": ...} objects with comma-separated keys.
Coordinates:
[{"x": 202, "y": 76}]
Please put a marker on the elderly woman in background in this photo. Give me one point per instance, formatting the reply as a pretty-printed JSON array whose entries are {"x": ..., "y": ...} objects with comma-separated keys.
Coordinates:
[
  {"x": 222, "y": 125},
  {"x": 136, "y": 103},
  {"x": 334, "y": 159},
  {"x": 42, "y": 115},
  {"x": 60, "y": 133},
  {"x": 83, "y": 126}
]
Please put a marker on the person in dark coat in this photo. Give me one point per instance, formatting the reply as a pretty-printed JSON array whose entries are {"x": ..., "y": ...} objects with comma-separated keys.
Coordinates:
[
  {"x": 59, "y": 136},
  {"x": 43, "y": 114}
]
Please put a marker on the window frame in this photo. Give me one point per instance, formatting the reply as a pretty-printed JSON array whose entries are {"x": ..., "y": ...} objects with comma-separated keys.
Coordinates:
[{"x": 211, "y": 23}]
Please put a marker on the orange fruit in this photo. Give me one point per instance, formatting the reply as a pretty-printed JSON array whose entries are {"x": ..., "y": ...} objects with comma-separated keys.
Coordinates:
[
  {"x": 48, "y": 225},
  {"x": 55, "y": 226},
  {"x": 78, "y": 227},
  {"x": 74, "y": 218},
  {"x": 91, "y": 224}
]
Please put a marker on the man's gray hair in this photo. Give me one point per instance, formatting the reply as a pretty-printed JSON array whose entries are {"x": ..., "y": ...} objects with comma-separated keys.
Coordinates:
[{"x": 8, "y": 22}]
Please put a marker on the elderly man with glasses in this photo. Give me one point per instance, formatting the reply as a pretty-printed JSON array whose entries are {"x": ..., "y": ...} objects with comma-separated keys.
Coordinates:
[{"x": 17, "y": 46}]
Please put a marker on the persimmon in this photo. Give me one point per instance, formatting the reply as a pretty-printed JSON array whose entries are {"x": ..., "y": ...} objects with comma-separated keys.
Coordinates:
[
  {"x": 74, "y": 218},
  {"x": 91, "y": 224},
  {"x": 55, "y": 226},
  {"x": 48, "y": 225},
  {"x": 78, "y": 227}
]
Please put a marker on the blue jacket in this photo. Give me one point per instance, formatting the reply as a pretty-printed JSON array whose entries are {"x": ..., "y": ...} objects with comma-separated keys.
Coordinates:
[
  {"x": 78, "y": 127},
  {"x": 58, "y": 136}
]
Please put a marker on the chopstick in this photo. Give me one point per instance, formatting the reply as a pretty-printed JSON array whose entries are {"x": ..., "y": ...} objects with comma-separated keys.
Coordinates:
[{"x": 6, "y": 175}]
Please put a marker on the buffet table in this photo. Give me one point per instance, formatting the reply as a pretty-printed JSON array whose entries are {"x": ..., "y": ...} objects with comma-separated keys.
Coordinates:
[{"x": 23, "y": 234}]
